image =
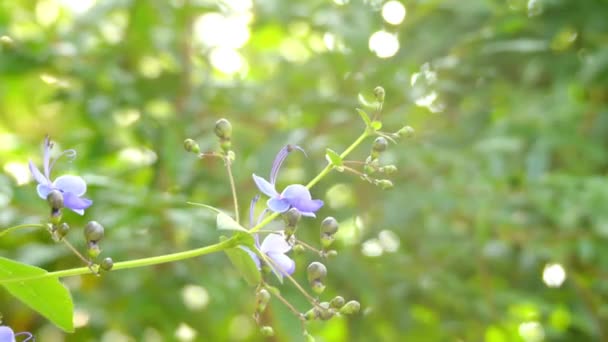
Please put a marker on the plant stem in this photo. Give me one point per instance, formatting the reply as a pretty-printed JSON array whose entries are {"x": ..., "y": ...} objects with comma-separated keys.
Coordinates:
[
  {"x": 233, "y": 188},
  {"x": 10, "y": 229},
  {"x": 220, "y": 246},
  {"x": 316, "y": 180}
]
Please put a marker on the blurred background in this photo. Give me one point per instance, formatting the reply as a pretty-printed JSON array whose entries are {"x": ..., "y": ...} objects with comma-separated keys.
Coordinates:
[{"x": 495, "y": 230}]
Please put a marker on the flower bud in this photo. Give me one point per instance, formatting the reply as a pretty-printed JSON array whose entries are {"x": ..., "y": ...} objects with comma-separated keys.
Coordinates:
[
  {"x": 298, "y": 249},
  {"x": 384, "y": 184},
  {"x": 310, "y": 315},
  {"x": 93, "y": 232},
  {"x": 329, "y": 225},
  {"x": 371, "y": 165},
  {"x": 55, "y": 199},
  {"x": 262, "y": 297},
  {"x": 6, "y": 41},
  {"x": 93, "y": 250},
  {"x": 309, "y": 337},
  {"x": 337, "y": 302},
  {"x": 388, "y": 169},
  {"x": 292, "y": 217},
  {"x": 223, "y": 129},
  {"x": 380, "y": 145},
  {"x": 406, "y": 131},
  {"x": 191, "y": 146},
  {"x": 316, "y": 271},
  {"x": 317, "y": 286},
  {"x": 324, "y": 311},
  {"x": 327, "y": 240},
  {"x": 62, "y": 230},
  {"x": 379, "y": 93},
  {"x": 352, "y": 307},
  {"x": 267, "y": 331},
  {"x": 56, "y": 216},
  {"x": 331, "y": 253},
  {"x": 106, "y": 264}
]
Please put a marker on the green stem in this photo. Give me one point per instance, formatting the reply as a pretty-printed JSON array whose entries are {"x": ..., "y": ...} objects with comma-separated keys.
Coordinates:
[
  {"x": 220, "y": 246},
  {"x": 228, "y": 163},
  {"x": 32, "y": 225},
  {"x": 318, "y": 178}
]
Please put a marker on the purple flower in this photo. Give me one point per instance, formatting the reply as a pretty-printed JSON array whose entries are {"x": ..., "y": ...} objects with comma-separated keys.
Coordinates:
[
  {"x": 275, "y": 247},
  {"x": 71, "y": 187},
  {"x": 293, "y": 196},
  {"x": 8, "y": 335}
]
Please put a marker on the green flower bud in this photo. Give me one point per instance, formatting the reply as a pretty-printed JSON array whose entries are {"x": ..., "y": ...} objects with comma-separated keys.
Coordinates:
[
  {"x": 379, "y": 145},
  {"x": 379, "y": 93},
  {"x": 384, "y": 184},
  {"x": 191, "y": 146},
  {"x": 93, "y": 232},
  {"x": 316, "y": 271},
  {"x": 317, "y": 286},
  {"x": 329, "y": 225},
  {"x": 331, "y": 253},
  {"x": 262, "y": 297},
  {"x": 55, "y": 199},
  {"x": 223, "y": 129},
  {"x": 292, "y": 217},
  {"x": 225, "y": 145},
  {"x": 389, "y": 169},
  {"x": 327, "y": 240},
  {"x": 62, "y": 230},
  {"x": 337, "y": 302},
  {"x": 106, "y": 264},
  {"x": 310, "y": 315},
  {"x": 406, "y": 131},
  {"x": 352, "y": 307},
  {"x": 267, "y": 331},
  {"x": 371, "y": 165},
  {"x": 324, "y": 311},
  {"x": 93, "y": 250},
  {"x": 299, "y": 249}
]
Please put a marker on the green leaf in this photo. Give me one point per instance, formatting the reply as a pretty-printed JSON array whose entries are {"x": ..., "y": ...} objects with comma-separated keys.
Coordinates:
[
  {"x": 364, "y": 116},
  {"x": 376, "y": 125},
  {"x": 245, "y": 265},
  {"x": 333, "y": 157},
  {"x": 225, "y": 222},
  {"x": 47, "y": 296}
]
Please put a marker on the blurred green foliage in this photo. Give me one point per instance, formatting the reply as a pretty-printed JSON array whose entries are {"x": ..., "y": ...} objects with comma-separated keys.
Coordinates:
[{"x": 505, "y": 177}]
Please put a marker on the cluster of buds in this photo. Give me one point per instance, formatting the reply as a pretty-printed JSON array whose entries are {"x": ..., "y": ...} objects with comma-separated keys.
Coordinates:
[{"x": 93, "y": 234}]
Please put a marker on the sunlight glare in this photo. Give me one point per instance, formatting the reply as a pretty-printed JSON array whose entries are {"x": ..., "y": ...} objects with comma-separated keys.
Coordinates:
[
  {"x": 19, "y": 171},
  {"x": 226, "y": 60},
  {"x": 383, "y": 44},
  {"x": 393, "y": 12},
  {"x": 554, "y": 275}
]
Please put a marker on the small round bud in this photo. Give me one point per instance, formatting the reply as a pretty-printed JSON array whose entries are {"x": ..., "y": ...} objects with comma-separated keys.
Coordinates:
[
  {"x": 292, "y": 217},
  {"x": 299, "y": 249},
  {"x": 106, "y": 264},
  {"x": 93, "y": 250},
  {"x": 316, "y": 271},
  {"x": 62, "y": 230},
  {"x": 371, "y": 164},
  {"x": 384, "y": 184},
  {"x": 331, "y": 253},
  {"x": 317, "y": 286},
  {"x": 324, "y": 311},
  {"x": 352, "y": 307},
  {"x": 337, "y": 302},
  {"x": 388, "y": 169},
  {"x": 406, "y": 131},
  {"x": 379, "y": 93},
  {"x": 310, "y": 315},
  {"x": 262, "y": 297},
  {"x": 55, "y": 199},
  {"x": 267, "y": 331},
  {"x": 191, "y": 146},
  {"x": 226, "y": 145},
  {"x": 93, "y": 231},
  {"x": 329, "y": 225},
  {"x": 223, "y": 129},
  {"x": 380, "y": 144}
]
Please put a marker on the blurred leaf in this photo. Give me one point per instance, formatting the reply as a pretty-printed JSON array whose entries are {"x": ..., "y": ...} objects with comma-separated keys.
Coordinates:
[{"x": 333, "y": 158}]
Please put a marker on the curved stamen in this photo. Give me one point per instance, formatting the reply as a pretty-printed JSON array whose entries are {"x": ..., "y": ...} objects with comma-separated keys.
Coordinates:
[
  {"x": 70, "y": 154},
  {"x": 28, "y": 334},
  {"x": 252, "y": 208},
  {"x": 278, "y": 160},
  {"x": 48, "y": 146}
]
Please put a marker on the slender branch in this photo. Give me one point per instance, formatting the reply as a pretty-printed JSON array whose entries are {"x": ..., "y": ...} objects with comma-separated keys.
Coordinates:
[
  {"x": 233, "y": 188},
  {"x": 31, "y": 225},
  {"x": 220, "y": 246}
]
